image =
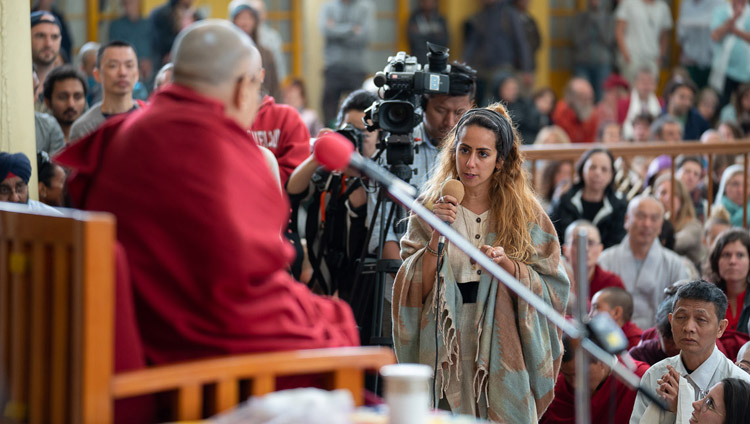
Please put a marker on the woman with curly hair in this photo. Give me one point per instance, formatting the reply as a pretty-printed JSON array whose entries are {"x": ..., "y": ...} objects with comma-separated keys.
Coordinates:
[
  {"x": 730, "y": 270},
  {"x": 496, "y": 357}
]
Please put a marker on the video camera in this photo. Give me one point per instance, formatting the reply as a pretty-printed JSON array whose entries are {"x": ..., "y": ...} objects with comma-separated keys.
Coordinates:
[{"x": 404, "y": 82}]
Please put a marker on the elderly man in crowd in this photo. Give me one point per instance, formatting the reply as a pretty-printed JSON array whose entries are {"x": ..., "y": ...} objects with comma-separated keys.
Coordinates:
[
  {"x": 698, "y": 319},
  {"x": 646, "y": 268},
  {"x": 208, "y": 265},
  {"x": 117, "y": 71},
  {"x": 598, "y": 278},
  {"x": 576, "y": 113},
  {"x": 743, "y": 358}
]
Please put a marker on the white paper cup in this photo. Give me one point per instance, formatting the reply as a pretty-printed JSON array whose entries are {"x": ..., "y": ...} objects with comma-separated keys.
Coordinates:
[{"x": 407, "y": 392}]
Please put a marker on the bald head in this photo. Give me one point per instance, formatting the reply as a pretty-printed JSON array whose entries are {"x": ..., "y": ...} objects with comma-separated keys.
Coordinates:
[
  {"x": 213, "y": 53},
  {"x": 616, "y": 297}
]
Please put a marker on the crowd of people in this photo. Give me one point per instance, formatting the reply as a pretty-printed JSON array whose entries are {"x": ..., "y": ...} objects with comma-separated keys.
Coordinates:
[{"x": 226, "y": 211}]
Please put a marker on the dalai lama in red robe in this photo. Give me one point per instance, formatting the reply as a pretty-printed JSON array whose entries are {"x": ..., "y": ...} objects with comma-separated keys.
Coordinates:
[{"x": 199, "y": 214}]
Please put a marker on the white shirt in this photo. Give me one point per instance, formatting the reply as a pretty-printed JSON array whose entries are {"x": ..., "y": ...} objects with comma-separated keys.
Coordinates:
[
  {"x": 645, "y": 22},
  {"x": 714, "y": 369}
]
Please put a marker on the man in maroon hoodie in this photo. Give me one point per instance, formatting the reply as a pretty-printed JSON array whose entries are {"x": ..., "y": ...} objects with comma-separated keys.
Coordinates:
[
  {"x": 281, "y": 130},
  {"x": 199, "y": 213}
]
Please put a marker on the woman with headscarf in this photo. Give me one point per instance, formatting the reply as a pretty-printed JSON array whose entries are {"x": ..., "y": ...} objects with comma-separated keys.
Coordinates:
[
  {"x": 730, "y": 194},
  {"x": 497, "y": 358}
]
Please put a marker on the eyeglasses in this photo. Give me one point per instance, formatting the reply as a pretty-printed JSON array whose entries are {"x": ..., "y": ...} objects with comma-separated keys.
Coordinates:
[
  {"x": 708, "y": 405},
  {"x": 21, "y": 188}
]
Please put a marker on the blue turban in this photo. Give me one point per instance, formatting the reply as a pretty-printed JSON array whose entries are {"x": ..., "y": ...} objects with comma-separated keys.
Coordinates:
[{"x": 15, "y": 163}]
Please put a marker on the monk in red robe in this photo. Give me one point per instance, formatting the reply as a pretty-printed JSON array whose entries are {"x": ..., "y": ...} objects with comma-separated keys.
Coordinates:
[
  {"x": 611, "y": 400},
  {"x": 199, "y": 213},
  {"x": 618, "y": 303}
]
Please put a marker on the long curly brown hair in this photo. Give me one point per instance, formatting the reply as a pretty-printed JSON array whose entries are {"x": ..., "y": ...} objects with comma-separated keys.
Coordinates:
[{"x": 513, "y": 205}]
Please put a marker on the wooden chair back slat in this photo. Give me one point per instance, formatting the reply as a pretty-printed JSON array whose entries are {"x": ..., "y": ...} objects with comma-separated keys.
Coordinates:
[
  {"x": 189, "y": 402},
  {"x": 40, "y": 335},
  {"x": 19, "y": 368},
  {"x": 60, "y": 349},
  {"x": 263, "y": 384},
  {"x": 226, "y": 395}
]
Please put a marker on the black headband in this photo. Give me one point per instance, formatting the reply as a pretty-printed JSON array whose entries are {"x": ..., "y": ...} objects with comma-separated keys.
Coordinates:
[{"x": 501, "y": 122}]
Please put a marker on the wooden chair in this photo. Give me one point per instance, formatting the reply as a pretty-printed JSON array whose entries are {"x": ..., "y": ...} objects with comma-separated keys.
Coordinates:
[{"x": 57, "y": 290}]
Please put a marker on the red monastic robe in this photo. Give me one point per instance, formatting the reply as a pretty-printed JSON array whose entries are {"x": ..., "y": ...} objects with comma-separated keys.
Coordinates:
[{"x": 200, "y": 218}]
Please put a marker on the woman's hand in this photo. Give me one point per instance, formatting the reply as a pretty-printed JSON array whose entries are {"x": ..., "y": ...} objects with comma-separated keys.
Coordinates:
[
  {"x": 446, "y": 208},
  {"x": 497, "y": 254}
]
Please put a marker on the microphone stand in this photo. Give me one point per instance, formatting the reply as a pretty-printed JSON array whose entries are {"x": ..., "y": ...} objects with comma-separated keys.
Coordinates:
[{"x": 405, "y": 195}]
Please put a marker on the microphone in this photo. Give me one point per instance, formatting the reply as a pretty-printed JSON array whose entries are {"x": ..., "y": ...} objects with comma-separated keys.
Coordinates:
[
  {"x": 453, "y": 188},
  {"x": 335, "y": 152}
]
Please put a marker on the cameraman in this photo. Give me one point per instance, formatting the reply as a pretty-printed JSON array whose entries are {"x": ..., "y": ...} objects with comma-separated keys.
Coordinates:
[
  {"x": 336, "y": 231},
  {"x": 440, "y": 113}
]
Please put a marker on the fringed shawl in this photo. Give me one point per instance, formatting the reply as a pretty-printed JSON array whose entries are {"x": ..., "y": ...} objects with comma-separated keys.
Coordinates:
[{"x": 518, "y": 351}]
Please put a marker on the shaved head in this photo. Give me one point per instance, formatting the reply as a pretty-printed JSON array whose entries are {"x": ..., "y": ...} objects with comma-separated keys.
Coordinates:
[
  {"x": 213, "y": 52},
  {"x": 614, "y": 297}
]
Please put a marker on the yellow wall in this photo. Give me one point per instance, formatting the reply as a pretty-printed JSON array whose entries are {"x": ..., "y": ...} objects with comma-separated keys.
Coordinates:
[
  {"x": 216, "y": 8},
  {"x": 16, "y": 97}
]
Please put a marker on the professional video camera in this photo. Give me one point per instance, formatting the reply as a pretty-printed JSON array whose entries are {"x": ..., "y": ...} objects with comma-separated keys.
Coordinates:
[{"x": 404, "y": 82}]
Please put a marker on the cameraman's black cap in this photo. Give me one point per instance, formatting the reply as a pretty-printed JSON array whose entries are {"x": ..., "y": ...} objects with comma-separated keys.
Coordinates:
[{"x": 462, "y": 79}]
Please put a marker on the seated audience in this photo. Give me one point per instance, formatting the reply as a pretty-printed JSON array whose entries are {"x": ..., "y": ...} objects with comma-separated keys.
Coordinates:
[
  {"x": 221, "y": 287},
  {"x": 616, "y": 89},
  {"x": 697, "y": 320},
  {"x": 656, "y": 347},
  {"x": 247, "y": 18},
  {"x": 51, "y": 181},
  {"x": 599, "y": 279},
  {"x": 611, "y": 399},
  {"x": 609, "y": 133},
  {"x": 117, "y": 71},
  {"x": 730, "y": 195},
  {"x": 552, "y": 135},
  {"x": 690, "y": 173},
  {"x": 646, "y": 268},
  {"x": 738, "y": 111},
  {"x": 295, "y": 96},
  {"x": 730, "y": 271},
  {"x": 641, "y": 128},
  {"x": 688, "y": 230},
  {"x": 716, "y": 224},
  {"x": 667, "y": 128},
  {"x": 708, "y": 105},
  {"x": 743, "y": 358},
  {"x": 729, "y": 131},
  {"x": 15, "y": 172},
  {"x": 65, "y": 93},
  {"x": 592, "y": 198},
  {"x": 642, "y": 101},
  {"x": 618, "y": 303},
  {"x": 680, "y": 105},
  {"x": 725, "y": 403},
  {"x": 520, "y": 109},
  {"x": 554, "y": 180},
  {"x": 576, "y": 113},
  {"x": 545, "y": 101}
]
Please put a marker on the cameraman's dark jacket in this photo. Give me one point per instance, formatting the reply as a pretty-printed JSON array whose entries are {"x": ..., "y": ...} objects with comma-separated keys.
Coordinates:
[
  {"x": 610, "y": 220},
  {"x": 335, "y": 231}
]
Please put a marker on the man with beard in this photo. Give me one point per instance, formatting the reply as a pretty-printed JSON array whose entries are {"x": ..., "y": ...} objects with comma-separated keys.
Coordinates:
[
  {"x": 45, "y": 42},
  {"x": 680, "y": 105},
  {"x": 47, "y": 133},
  {"x": 65, "y": 93},
  {"x": 576, "y": 113},
  {"x": 117, "y": 71}
]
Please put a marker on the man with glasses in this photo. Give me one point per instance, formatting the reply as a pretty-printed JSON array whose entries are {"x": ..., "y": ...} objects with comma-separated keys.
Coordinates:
[
  {"x": 743, "y": 358},
  {"x": 15, "y": 171},
  {"x": 697, "y": 319}
]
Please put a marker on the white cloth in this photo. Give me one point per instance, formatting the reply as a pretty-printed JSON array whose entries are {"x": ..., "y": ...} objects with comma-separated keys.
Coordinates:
[
  {"x": 714, "y": 369},
  {"x": 636, "y": 107},
  {"x": 661, "y": 268}
]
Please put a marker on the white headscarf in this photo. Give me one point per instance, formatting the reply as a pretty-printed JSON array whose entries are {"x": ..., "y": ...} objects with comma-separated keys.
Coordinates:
[{"x": 730, "y": 172}]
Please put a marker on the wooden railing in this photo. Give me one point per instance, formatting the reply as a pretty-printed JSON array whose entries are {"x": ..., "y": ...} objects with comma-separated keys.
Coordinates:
[{"x": 572, "y": 152}]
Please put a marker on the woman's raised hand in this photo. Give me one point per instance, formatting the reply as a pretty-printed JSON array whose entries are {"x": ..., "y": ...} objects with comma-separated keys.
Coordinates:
[{"x": 497, "y": 254}]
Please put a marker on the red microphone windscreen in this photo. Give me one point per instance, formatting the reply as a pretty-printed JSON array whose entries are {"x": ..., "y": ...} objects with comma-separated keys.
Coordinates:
[
  {"x": 453, "y": 188},
  {"x": 333, "y": 151}
]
